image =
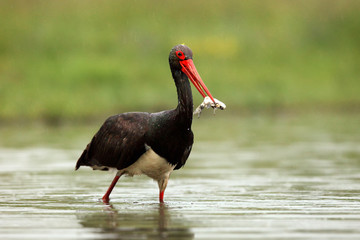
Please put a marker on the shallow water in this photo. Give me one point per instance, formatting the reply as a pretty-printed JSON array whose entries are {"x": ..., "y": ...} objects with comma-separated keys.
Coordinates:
[{"x": 265, "y": 179}]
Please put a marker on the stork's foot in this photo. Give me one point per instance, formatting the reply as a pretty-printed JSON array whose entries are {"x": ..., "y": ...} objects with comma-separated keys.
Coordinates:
[{"x": 105, "y": 199}]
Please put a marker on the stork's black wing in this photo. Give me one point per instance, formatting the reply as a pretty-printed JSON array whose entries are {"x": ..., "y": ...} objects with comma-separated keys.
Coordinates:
[{"x": 119, "y": 142}]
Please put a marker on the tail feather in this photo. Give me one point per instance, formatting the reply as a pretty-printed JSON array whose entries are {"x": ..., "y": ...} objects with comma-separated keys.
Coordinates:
[{"x": 82, "y": 160}]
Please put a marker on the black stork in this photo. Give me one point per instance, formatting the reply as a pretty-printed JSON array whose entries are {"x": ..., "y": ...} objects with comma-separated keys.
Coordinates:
[{"x": 153, "y": 144}]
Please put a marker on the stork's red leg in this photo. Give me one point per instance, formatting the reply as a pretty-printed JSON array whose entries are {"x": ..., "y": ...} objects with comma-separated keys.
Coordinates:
[
  {"x": 161, "y": 196},
  {"x": 162, "y": 186},
  {"x": 105, "y": 198}
]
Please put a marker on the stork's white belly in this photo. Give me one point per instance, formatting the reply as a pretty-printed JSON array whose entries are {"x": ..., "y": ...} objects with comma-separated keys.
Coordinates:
[{"x": 150, "y": 164}]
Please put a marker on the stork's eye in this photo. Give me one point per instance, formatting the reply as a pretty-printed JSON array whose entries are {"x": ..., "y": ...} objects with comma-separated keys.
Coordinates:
[{"x": 180, "y": 55}]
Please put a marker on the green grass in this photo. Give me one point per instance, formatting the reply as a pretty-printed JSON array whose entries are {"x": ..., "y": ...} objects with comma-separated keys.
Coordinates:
[{"x": 77, "y": 60}]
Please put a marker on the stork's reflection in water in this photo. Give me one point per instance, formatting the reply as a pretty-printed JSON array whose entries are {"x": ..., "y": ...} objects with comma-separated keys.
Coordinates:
[{"x": 153, "y": 221}]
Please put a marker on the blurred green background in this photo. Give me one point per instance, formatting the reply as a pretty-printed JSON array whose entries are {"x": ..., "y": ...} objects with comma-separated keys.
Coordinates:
[{"x": 84, "y": 60}]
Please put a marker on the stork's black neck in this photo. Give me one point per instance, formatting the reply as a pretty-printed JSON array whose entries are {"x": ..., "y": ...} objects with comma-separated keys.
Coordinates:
[{"x": 185, "y": 106}]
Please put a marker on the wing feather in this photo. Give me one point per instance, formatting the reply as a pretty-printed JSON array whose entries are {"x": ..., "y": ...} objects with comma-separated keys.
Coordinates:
[{"x": 119, "y": 142}]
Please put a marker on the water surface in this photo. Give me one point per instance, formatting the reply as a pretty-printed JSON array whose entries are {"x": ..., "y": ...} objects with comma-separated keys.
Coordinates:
[{"x": 256, "y": 178}]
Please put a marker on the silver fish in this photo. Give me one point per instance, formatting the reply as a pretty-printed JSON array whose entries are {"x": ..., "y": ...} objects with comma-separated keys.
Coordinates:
[{"x": 207, "y": 103}]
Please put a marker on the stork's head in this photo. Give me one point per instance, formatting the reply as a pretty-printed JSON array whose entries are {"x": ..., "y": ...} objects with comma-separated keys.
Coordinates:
[{"x": 180, "y": 59}]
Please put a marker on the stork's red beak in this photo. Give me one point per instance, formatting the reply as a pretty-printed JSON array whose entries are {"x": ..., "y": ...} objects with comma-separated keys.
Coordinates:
[{"x": 189, "y": 69}]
